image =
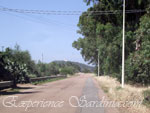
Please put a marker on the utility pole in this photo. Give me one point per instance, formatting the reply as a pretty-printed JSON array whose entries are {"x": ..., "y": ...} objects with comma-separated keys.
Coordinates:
[
  {"x": 123, "y": 45},
  {"x": 2, "y": 48},
  {"x": 42, "y": 57},
  {"x": 98, "y": 62}
]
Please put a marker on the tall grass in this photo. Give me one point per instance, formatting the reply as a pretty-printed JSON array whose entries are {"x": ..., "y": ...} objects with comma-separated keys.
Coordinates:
[{"x": 129, "y": 93}]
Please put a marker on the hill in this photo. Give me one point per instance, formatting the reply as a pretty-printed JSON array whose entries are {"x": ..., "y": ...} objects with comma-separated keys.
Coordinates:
[{"x": 80, "y": 66}]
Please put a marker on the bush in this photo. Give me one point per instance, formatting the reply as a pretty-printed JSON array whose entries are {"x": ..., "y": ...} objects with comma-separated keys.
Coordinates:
[
  {"x": 146, "y": 100},
  {"x": 67, "y": 70},
  {"x": 13, "y": 65}
]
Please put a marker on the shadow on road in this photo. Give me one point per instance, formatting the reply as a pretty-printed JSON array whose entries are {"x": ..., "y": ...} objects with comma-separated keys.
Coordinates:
[
  {"x": 17, "y": 90},
  {"x": 12, "y": 93},
  {"x": 24, "y": 88}
]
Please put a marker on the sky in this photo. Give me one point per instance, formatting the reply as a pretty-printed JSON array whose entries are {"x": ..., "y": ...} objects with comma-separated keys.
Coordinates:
[{"x": 50, "y": 35}]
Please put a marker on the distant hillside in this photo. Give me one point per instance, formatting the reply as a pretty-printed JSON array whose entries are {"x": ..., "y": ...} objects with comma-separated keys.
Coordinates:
[{"x": 80, "y": 66}]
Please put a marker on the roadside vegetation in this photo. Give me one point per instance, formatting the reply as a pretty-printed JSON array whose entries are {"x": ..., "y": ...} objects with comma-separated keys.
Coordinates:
[
  {"x": 46, "y": 81},
  {"x": 17, "y": 65},
  {"x": 103, "y": 32},
  {"x": 129, "y": 93},
  {"x": 102, "y": 35},
  {"x": 146, "y": 100}
]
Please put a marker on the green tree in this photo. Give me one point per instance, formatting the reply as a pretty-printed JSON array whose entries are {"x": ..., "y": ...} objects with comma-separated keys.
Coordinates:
[
  {"x": 104, "y": 32},
  {"x": 67, "y": 70},
  {"x": 11, "y": 69},
  {"x": 138, "y": 64}
]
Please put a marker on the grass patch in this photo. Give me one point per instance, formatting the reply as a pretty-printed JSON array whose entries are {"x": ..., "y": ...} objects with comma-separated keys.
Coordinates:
[
  {"x": 129, "y": 93},
  {"x": 9, "y": 91},
  {"x": 146, "y": 100},
  {"x": 118, "y": 88},
  {"x": 46, "y": 81},
  {"x": 14, "y": 90},
  {"x": 105, "y": 89}
]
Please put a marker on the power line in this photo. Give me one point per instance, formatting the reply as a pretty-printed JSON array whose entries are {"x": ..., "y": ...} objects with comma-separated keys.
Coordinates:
[
  {"x": 58, "y": 11},
  {"x": 40, "y": 20},
  {"x": 52, "y": 12}
]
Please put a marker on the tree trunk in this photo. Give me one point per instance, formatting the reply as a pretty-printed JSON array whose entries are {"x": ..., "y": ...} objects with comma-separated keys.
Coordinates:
[{"x": 14, "y": 83}]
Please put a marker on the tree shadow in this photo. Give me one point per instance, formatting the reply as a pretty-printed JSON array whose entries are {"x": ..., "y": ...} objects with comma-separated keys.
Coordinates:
[
  {"x": 17, "y": 90},
  {"x": 24, "y": 87}
]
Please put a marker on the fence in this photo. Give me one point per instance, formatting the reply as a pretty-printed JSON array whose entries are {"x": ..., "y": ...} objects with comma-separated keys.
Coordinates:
[
  {"x": 6, "y": 84},
  {"x": 45, "y": 78}
]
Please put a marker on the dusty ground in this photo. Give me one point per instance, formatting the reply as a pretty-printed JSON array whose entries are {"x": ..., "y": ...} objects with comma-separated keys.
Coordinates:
[{"x": 56, "y": 91}]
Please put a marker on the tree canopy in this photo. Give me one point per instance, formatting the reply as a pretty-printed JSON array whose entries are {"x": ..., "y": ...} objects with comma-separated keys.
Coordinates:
[{"x": 101, "y": 34}]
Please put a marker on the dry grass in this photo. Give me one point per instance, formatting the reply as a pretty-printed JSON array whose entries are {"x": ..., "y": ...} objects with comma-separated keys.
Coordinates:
[{"x": 129, "y": 93}]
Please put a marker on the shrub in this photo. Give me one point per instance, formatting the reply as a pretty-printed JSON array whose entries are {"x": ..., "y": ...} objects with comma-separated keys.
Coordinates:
[
  {"x": 146, "y": 100},
  {"x": 67, "y": 70}
]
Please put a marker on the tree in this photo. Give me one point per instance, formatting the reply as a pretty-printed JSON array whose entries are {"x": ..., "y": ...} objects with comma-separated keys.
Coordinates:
[
  {"x": 104, "y": 32},
  {"x": 138, "y": 64},
  {"x": 67, "y": 70},
  {"x": 15, "y": 65},
  {"x": 11, "y": 69}
]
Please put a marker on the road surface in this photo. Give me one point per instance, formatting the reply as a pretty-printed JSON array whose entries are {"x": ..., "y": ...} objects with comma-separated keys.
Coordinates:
[{"x": 64, "y": 96}]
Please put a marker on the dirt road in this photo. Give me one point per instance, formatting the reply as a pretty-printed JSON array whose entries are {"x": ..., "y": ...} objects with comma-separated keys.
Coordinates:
[{"x": 64, "y": 96}]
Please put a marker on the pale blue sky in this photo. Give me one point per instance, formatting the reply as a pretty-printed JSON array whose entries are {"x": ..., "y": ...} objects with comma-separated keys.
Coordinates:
[{"x": 51, "y": 35}]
